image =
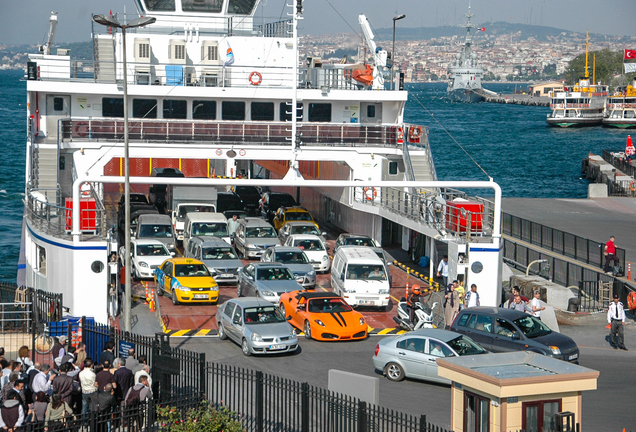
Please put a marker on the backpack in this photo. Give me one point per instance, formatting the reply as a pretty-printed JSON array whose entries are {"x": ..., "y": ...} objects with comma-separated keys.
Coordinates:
[{"x": 134, "y": 397}]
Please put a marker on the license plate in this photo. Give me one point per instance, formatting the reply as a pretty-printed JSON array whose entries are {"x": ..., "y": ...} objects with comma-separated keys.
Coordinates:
[
  {"x": 573, "y": 357},
  {"x": 277, "y": 347},
  {"x": 200, "y": 296},
  {"x": 365, "y": 302},
  {"x": 225, "y": 275}
]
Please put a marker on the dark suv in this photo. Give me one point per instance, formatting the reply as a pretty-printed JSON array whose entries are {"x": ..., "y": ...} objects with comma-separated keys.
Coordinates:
[{"x": 502, "y": 330}]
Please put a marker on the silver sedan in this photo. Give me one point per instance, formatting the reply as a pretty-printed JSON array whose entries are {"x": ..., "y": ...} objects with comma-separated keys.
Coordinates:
[
  {"x": 256, "y": 325},
  {"x": 415, "y": 354}
]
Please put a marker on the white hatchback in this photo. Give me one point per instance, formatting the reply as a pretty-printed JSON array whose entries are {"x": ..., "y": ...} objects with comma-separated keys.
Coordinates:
[
  {"x": 145, "y": 256},
  {"x": 314, "y": 248}
]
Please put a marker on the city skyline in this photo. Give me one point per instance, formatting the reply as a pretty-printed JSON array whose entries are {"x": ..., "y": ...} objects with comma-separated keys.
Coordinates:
[{"x": 327, "y": 16}]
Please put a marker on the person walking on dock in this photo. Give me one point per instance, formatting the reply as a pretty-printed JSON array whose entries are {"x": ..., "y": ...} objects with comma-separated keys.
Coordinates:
[
  {"x": 442, "y": 270},
  {"x": 451, "y": 304},
  {"x": 472, "y": 297},
  {"x": 616, "y": 319},
  {"x": 610, "y": 254}
]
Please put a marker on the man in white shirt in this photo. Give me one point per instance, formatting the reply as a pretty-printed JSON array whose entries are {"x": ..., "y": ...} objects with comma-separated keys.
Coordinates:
[
  {"x": 442, "y": 270},
  {"x": 145, "y": 371},
  {"x": 472, "y": 297},
  {"x": 88, "y": 383},
  {"x": 536, "y": 305},
  {"x": 616, "y": 318},
  {"x": 42, "y": 381}
]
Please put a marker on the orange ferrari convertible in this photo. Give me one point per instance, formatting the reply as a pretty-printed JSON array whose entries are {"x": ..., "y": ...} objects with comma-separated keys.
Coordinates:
[{"x": 322, "y": 316}]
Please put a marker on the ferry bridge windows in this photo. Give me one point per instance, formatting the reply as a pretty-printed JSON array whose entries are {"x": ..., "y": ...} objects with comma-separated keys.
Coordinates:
[
  {"x": 241, "y": 7},
  {"x": 262, "y": 111},
  {"x": 285, "y": 111},
  {"x": 175, "y": 109},
  {"x": 144, "y": 108},
  {"x": 203, "y": 110},
  {"x": 201, "y": 5},
  {"x": 160, "y": 5},
  {"x": 233, "y": 110},
  {"x": 319, "y": 112},
  {"x": 112, "y": 107}
]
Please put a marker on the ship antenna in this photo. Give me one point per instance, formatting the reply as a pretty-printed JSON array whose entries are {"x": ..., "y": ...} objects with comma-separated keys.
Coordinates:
[{"x": 587, "y": 44}]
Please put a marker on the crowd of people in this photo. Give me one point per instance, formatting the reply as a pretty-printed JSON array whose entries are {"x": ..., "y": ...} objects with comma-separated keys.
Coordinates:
[{"x": 72, "y": 385}]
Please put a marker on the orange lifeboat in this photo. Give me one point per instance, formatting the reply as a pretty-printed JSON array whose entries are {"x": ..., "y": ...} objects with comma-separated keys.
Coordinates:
[{"x": 363, "y": 75}]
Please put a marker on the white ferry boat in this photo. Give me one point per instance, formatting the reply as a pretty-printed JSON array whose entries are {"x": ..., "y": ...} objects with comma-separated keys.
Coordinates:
[
  {"x": 620, "y": 108},
  {"x": 580, "y": 105},
  {"x": 466, "y": 73},
  {"x": 209, "y": 92}
]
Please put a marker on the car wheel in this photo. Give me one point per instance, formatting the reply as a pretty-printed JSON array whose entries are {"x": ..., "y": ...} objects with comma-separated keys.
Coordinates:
[
  {"x": 307, "y": 330},
  {"x": 222, "y": 334},
  {"x": 245, "y": 348},
  {"x": 388, "y": 306},
  {"x": 175, "y": 300},
  {"x": 394, "y": 372}
]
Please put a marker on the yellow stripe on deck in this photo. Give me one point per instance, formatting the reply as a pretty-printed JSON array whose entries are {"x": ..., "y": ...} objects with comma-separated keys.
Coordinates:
[
  {"x": 202, "y": 332},
  {"x": 180, "y": 332}
]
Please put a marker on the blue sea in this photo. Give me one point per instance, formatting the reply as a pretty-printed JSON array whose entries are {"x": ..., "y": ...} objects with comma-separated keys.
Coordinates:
[{"x": 512, "y": 143}]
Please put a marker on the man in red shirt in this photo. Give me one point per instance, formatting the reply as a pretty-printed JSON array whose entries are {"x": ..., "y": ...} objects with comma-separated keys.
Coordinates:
[{"x": 610, "y": 254}]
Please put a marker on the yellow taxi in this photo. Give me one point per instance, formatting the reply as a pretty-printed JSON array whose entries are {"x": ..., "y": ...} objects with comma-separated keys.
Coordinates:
[
  {"x": 186, "y": 280},
  {"x": 292, "y": 214}
]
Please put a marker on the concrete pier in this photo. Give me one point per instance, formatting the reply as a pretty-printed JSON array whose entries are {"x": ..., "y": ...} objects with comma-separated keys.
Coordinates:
[{"x": 519, "y": 99}]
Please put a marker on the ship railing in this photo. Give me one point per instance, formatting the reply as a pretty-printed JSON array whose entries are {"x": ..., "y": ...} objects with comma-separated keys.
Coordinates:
[
  {"x": 278, "y": 29},
  {"x": 247, "y": 132},
  {"x": 56, "y": 221},
  {"x": 449, "y": 211}
]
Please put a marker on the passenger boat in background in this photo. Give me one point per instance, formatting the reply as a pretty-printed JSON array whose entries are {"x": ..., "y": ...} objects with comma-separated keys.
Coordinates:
[
  {"x": 210, "y": 93},
  {"x": 620, "y": 108}
]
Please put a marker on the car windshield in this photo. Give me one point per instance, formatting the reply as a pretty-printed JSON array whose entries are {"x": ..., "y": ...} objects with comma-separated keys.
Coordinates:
[
  {"x": 310, "y": 245},
  {"x": 365, "y": 272},
  {"x": 274, "y": 273},
  {"x": 297, "y": 216},
  {"x": 185, "y": 209},
  {"x": 191, "y": 270},
  {"x": 328, "y": 305},
  {"x": 159, "y": 231},
  {"x": 263, "y": 315},
  {"x": 218, "y": 229},
  {"x": 358, "y": 241},
  {"x": 150, "y": 250},
  {"x": 532, "y": 327},
  {"x": 464, "y": 346},
  {"x": 138, "y": 198},
  {"x": 277, "y": 201},
  {"x": 291, "y": 258},
  {"x": 305, "y": 229},
  {"x": 262, "y": 232},
  {"x": 218, "y": 253}
]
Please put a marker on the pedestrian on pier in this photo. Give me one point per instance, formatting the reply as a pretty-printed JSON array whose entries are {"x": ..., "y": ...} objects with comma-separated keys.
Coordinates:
[
  {"x": 610, "y": 254},
  {"x": 451, "y": 304},
  {"x": 616, "y": 319},
  {"x": 536, "y": 305},
  {"x": 472, "y": 297},
  {"x": 442, "y": 270}
]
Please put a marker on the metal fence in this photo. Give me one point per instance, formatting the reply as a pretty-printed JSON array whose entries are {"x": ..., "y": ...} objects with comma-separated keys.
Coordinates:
[
  {"x": 619, "y": 162},
  {"x": 570, "y": 245}
]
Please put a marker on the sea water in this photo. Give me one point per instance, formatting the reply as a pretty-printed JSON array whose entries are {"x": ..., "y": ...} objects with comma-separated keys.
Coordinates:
[{"x": 512, "y": 143}]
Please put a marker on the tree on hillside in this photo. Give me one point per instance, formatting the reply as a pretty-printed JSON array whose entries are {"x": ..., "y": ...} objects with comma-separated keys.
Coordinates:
[{"x": 608, "y": 64}]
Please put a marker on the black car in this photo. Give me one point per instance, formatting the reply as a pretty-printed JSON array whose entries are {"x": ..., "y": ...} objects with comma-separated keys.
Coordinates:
[
  {"x": 502, "y": 330},
  {"x": 250, "y": 195},
  {"x": 157, "y": 192},
  {"x": 228, "y": 202},
  {"x": 272, "y": 201}
]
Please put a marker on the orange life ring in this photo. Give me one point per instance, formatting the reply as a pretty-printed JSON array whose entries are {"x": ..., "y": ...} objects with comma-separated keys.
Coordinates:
[
  {"x": 400, "y": 135},
  {"x": 258, "y": 80},
  {"x": 81, "y": 128},
  {"x": 370, "y": 193},
  {"x": 632, "y": 186},
  {"x": 415, "y": 132}
]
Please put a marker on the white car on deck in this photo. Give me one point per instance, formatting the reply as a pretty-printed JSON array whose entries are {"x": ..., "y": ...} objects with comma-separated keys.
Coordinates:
[
  {"x": 314, "y": 248},
  {"x": 145, "y": 256}
]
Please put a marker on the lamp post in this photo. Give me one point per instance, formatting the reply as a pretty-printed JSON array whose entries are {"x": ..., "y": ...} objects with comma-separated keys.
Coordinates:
[
  {"x": 110, "y": 21},
  {"x": 395, "y": 18}
]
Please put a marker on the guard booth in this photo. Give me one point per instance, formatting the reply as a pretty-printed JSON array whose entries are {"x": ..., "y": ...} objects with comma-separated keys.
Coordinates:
[{"x": 515, "y": 391}]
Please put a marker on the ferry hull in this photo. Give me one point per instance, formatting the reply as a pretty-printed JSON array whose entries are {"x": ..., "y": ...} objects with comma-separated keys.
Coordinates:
[
  {"x": 620, "y": 123},
  {"x": 465, "y": 95},
  {"x": 573, "y": 122}
]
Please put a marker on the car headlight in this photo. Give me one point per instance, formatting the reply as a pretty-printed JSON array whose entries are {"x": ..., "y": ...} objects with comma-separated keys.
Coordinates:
[
  {"x": 320, "y": 323},
  {"x": 300, "y": 279},
  {"x": 143, "y": 264},
  {"x": 293, "y": 333},
  {"x": 268, "y": 293},
  {"x": 325, "y": 258},
  {"x": 555, "y": 350},
  {"x": 214, "y": 288},
  {"x": 179, "y": 287},
  {"x": 361, "y": 321},
  {"x": 171, "y": 246},
  {"x": 383, "y": 291},
  {"x": 256, "y": 337},
  {"x": 311, "y": 273}
]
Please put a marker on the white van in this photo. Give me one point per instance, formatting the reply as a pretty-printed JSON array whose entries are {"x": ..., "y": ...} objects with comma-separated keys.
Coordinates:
[
  {"x": 203, "y": 225},
  {"x": 359, "y": 276}
]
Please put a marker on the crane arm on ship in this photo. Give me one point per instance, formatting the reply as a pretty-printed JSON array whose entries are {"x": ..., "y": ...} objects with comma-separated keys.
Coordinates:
[
  {"x": 379, "y": 54},
  {"x": 46, "y": 48}
]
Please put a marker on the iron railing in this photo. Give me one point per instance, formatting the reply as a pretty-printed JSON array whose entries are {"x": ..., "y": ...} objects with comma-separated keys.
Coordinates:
[
  {"x": 570, "y": 245},
  {"x": 613, "y": 158}
]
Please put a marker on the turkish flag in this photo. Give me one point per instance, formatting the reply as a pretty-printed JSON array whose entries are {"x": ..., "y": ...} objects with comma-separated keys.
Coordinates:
[
  {"x": 484, "y": 29},
  {"x": 630, "y": 54}
]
